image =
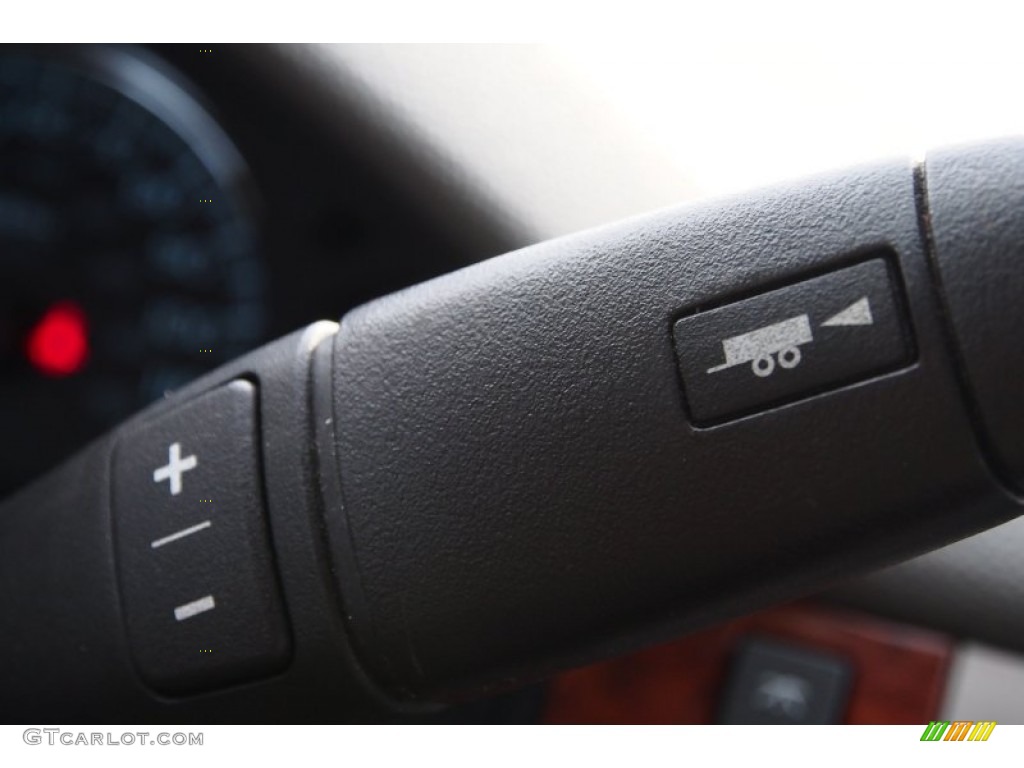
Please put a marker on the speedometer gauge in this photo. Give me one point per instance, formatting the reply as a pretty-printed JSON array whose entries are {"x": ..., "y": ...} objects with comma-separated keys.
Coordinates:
[{"x": 128, "y": 249}]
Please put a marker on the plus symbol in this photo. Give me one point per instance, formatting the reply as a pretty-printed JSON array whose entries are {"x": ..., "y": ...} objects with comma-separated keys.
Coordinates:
[{"x": 175, "y": 468}]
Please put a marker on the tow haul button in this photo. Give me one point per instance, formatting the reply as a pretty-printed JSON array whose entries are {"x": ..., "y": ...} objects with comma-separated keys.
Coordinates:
[{"x": 792, "y": 342}]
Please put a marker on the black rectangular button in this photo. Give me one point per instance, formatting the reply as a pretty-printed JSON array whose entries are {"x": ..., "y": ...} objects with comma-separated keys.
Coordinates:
[
  {"x": 792, "y": 342},
  {"x": 780, "y": 684},
  {"x": 200, "y": 599}
]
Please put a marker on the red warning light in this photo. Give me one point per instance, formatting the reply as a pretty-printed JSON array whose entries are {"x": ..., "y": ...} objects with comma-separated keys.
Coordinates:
[{"x": 58, "y": 345}]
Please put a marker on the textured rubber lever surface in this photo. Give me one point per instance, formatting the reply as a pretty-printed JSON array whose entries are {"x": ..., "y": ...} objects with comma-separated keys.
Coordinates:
[
  {"x": 976, "y": 223},
  {"x": 510, "y": 482},
  {"x": 523, "y": 488},
  {"x": 974, "y": 588}
]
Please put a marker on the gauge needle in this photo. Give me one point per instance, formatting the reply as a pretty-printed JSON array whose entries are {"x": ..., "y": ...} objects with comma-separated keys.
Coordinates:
[{"x": 58, "y": 344}]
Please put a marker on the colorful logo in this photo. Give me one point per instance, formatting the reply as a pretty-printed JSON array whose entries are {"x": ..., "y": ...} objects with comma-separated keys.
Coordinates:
[{"x": 959, "y": 730}]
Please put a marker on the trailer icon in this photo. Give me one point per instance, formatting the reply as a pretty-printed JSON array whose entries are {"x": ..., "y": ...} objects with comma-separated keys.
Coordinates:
[{"x": 757, "y": 347}]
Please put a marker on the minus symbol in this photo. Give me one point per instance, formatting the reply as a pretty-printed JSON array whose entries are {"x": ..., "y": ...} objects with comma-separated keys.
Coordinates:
[{"x": 188, "y": 610}]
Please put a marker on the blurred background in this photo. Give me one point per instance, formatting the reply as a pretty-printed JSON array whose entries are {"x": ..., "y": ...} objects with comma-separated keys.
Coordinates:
[{"x": 572, "y": 135}]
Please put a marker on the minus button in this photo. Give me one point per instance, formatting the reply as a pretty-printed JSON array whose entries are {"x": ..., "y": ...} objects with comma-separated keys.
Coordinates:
[{"x": 188, "y": 610}]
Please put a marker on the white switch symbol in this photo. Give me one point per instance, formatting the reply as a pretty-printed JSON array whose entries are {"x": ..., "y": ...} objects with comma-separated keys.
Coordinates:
[
  {"x": 757, "y": 347},
  {"x": 786, "y": 695},
  {"x": 858, "y": 313},
  {"x": 175, "y": 468}
]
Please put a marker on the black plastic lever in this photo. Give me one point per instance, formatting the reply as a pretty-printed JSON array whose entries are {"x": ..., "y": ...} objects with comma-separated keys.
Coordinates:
[{"x": 550, "y": 457}]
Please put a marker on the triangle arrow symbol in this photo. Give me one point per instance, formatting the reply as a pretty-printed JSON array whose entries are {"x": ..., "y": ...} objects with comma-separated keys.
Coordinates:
[{"x": 858, "y": 313}]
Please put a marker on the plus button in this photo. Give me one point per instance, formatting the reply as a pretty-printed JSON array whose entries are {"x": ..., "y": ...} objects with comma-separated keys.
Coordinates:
[{"x": 175, "y": 468}]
